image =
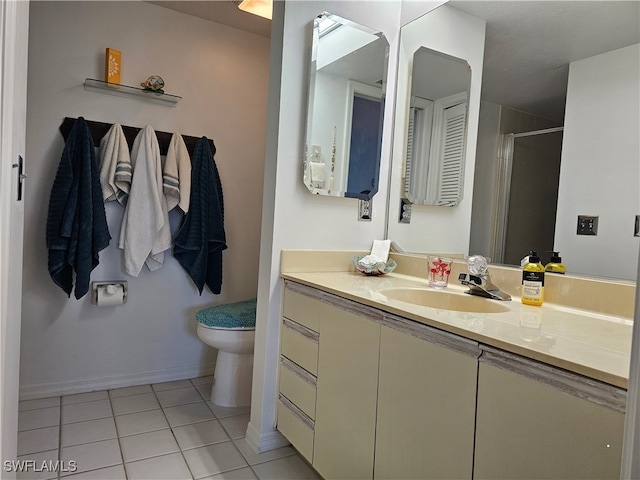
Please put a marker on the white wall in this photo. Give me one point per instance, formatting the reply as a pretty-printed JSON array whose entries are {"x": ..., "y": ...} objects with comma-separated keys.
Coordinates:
[
  {"x": 437, "y": 229},
  {"x": 221, "y": 73},
  {"x": 600, "y": 169},
  {"x": 292, "y": 217}
]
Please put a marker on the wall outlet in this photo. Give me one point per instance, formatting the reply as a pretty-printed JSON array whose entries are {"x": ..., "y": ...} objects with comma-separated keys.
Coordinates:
[
  {"x": 364, "y": 210},
  {"x": 316, "y": 153},
  {"x": 405, "y": 211},
  {"x": 587, "y": 225}
]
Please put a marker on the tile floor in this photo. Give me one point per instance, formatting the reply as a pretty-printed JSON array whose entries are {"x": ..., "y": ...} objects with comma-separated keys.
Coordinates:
[{"x": 161, "y": 431}]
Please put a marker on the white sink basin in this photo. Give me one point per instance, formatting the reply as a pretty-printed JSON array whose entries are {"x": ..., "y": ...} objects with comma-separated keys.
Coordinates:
[{"x": 444, "y": 300}]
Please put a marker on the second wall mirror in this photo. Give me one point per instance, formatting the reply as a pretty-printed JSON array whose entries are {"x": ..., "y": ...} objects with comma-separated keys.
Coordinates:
[
  {"x": 436, "y": 128},
  {"x": 347, "y": 82}
]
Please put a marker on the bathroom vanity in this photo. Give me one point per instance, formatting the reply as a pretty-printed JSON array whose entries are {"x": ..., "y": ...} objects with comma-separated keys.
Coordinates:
[{"x": 375, "y": 387}]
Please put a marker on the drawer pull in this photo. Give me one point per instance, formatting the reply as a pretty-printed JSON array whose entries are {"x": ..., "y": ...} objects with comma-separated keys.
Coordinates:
[
  {"x": 299, "y": 414},
  {"x": 298, "y": 371},
  {"x": 302, "y": 330}
]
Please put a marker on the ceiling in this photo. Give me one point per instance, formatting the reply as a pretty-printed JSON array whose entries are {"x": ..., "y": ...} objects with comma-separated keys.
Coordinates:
[
  {"x": 529, "y": 44},
  {"x": 221, "y": 11}
]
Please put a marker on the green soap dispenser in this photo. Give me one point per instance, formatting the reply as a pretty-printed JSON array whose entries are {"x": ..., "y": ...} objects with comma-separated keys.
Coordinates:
[
  {"x": 532, "y": 281},
  {"x": 555, "y": 265}
]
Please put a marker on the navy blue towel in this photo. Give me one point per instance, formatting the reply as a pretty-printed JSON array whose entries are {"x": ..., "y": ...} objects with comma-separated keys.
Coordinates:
[
  {"x": 201, "y": 239},
  {"x": 76, "y": 225}
]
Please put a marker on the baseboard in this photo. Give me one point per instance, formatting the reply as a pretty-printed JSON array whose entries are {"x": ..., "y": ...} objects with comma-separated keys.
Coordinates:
[
  {"x": 263, "y": 442},
  {"x": 43, "y": 390}
]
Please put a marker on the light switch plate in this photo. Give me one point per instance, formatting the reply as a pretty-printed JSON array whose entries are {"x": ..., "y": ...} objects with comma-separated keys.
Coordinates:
[
  {"x": 587, "y": 225},
  {"x": 636, "y": 230}
]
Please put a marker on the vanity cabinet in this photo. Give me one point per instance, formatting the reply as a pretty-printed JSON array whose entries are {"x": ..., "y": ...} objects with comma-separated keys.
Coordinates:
[
  {"x": 346, "y": 399},
  {"x": 328, "y": 387},
  {"x": 545, "y": 424},
  {"x": 368, "y": 394},
  {"x": 298, "y": 371},
  {"x": 426, "y": 404}
]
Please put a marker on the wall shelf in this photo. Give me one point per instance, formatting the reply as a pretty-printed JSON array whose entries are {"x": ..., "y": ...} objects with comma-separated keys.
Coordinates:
[{"x": 100, "y": 86}]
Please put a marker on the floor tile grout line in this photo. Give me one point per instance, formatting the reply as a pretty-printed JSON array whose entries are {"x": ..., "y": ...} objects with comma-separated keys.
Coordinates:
[
  {"x": 184, "y": 459},
  {"x": 115, "y": 424},
  {"x": 241, "y": 454},
  {"x": 129, "y": 394},
  {"x": 89, "y": 420},
  {"x": 205, "y": 401},
  {"x": 94, "y": 469},
  {"x": 220, "y": 419},
  {"x": 231, "y": 439},
  {"x": 39, "y": 428},
  {"x": 151, "y": 456},
  {"x": 59, "y": 435},
  {"x": 137, "y": 411},
  {"x": 89, "y": 443},
  {"x": 36, "y": 408},
  {"x": 205, "y": 445},
  {"x": 84, "y": 401}
]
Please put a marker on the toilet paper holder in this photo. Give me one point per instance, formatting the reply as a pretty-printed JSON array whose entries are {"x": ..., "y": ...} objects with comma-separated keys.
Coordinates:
[{"x": 96, "y": 285}]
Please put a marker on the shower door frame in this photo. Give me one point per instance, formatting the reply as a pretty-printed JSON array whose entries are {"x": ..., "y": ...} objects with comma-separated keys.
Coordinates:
[{"x": 503, "y": 190}]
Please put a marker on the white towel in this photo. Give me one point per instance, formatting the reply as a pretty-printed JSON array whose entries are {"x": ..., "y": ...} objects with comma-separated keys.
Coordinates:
[
  {"x": 145, "y": 233},
  {"x": 115, "y": 165},
  {"x": 176, "y": 174},
  {"x": 318, "y": 172}
]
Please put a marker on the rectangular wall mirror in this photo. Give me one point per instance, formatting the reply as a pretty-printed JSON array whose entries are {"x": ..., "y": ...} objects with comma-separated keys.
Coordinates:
[
  {"x": 528, "y": 94},
  {"x": 347, "y": 81},
  {"x": 439, "y": 78},
  {"x": 436, "y": 128}
]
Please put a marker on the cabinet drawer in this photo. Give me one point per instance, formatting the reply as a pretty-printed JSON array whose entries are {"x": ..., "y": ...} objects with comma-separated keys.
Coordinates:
[
  {"x": 302, "y": 309},
  {"x": 300, "y": 345},
  {"x": 296, "y": 428},
  {"x": 299, "y": 386}
]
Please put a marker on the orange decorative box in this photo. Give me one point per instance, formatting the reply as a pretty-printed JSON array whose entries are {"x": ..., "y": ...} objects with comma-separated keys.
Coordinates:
[{"x": 113, "y": 65}]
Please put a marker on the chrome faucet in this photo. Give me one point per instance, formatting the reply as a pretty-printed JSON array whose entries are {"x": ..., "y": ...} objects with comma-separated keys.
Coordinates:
[{"x": 479, "y": 280}]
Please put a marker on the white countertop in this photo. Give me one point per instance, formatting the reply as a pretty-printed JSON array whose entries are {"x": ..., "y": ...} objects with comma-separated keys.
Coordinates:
[{"x": 591, "y": 344}]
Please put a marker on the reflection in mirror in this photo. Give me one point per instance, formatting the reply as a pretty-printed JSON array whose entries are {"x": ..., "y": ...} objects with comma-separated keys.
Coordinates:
[
  {"x": 347, "y": 79},
  {"x": 525, "y": 82},
  {"x": 534, "y": 82},
  {"x": 436, "y": 128},
  {"x": 442, "y": 37}
]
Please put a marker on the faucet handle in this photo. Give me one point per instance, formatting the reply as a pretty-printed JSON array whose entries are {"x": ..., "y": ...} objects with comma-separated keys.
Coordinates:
[{"x": 477, "y": 265}]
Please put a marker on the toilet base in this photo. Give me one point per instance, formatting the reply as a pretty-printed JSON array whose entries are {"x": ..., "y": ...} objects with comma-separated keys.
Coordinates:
[{"x": 232, "y": 379}]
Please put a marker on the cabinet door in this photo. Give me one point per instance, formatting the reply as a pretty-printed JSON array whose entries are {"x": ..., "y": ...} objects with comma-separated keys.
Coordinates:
[
  {"x": 527, "y": 429},
  {"x": 426, "y": 409},
  {"x": 346, "y": 395}
]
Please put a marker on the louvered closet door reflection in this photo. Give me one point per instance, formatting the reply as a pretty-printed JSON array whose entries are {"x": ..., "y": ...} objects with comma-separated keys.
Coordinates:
[{"x": 451, "y": 174}]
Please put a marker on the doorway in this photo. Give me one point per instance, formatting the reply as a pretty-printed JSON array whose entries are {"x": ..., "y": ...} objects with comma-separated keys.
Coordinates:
[
  {"x": 528, "y": 194},
  {"x": 364, "y": 146}
]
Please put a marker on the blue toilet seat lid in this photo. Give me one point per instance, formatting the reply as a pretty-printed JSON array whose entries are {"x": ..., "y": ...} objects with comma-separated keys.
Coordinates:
[{"x": 229, "y": 315}]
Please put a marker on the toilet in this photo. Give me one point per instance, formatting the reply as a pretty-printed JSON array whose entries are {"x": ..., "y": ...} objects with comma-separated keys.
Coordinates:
[{"x": 230, "y": 328}]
